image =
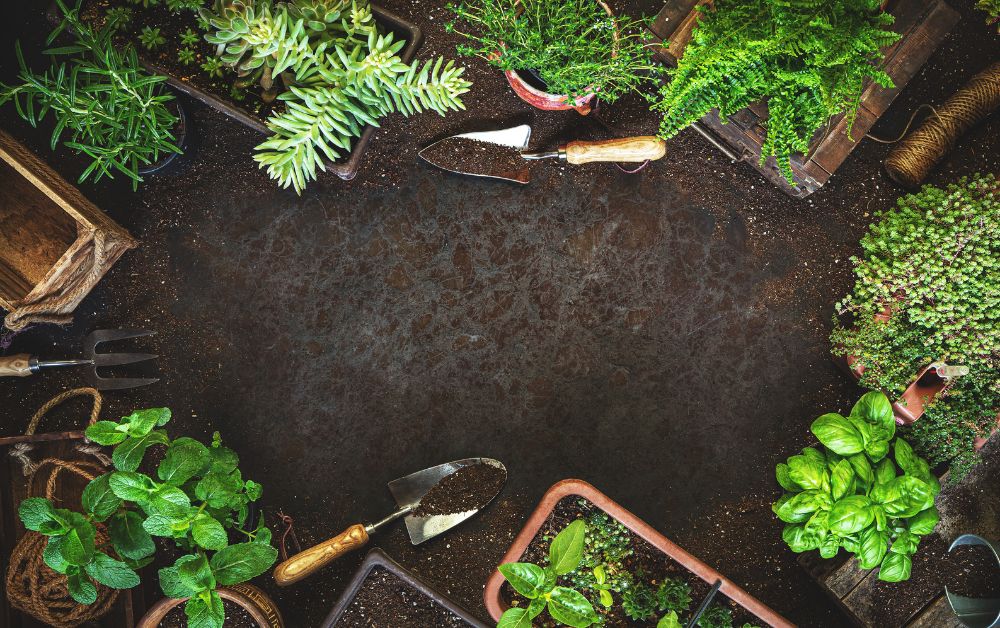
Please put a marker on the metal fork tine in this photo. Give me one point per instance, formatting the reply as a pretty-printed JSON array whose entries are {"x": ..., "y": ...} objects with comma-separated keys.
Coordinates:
[
  {"x": 119, "y": 383},
  {"x": 98, "y": 336},
  {"x": 115, "y": 359}
]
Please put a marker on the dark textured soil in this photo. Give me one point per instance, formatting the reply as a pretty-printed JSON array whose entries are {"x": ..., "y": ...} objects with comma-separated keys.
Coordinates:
[
  {"x": 645, "y": 559},
  {"x": 469, "y": 488},
  {"x": 236, "y": 617},
  {"x": 385, "y": 601},
  {"x": 461, "y": 154},
  {"x": 973, "y": 571}
]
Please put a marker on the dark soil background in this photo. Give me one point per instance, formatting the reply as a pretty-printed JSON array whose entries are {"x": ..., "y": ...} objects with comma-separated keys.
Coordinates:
[{"x": 661, "y": 335}]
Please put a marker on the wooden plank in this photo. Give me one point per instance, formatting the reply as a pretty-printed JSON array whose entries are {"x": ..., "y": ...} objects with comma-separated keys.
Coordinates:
[{"x": 938, "y": 614}]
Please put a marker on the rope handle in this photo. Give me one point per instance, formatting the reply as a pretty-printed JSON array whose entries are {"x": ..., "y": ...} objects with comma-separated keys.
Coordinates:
[
  {"x": 83, "y": 468},
  {"x": 20, "y": 450}
]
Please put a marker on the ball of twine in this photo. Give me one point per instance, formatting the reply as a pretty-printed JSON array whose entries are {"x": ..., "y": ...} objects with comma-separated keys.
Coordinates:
[{"x": 912, "y": 159}]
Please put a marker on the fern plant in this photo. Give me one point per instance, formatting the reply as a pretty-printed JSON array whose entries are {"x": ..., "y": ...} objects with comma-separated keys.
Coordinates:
[
  {"x": 334, "y": 70},
  {"x": 809, "y": 59},
  {"x": 992, "y": 9}
]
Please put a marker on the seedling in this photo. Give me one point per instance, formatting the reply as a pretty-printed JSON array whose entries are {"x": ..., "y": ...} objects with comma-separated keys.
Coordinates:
[
  {"x": 185, "y": 56},
  {"x": 150, "y": 38},
  {"x": 189, "y": 38}
]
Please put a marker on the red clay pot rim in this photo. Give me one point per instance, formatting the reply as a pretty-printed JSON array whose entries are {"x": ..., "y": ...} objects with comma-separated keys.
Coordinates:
[
  {"x": 158, "y": 611},
  {"x": 491, "y": 593}
]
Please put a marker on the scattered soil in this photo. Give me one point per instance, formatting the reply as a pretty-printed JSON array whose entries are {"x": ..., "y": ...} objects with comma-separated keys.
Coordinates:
[
  {"x": 469, "y": 488},
  {"x": 236, "y": 617},
  {"x": 654, "y": 564},
  {"x": 462, "y": 154},
  {"x": 972, "y": 571},
  {"x": 385, "y": 601}
]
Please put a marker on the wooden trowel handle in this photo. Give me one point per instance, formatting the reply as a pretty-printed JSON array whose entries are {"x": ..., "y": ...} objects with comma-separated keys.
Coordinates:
[
  {"x": 630, "y": 149},
  {"x": 311, "y": 560},
  {"x": 15, "y": 365}
]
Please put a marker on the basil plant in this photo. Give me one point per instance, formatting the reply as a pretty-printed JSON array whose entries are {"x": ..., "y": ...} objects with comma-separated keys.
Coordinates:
[
  {"x": 865, "y": 492},
  {"x": 566, "y": 605},
  {"x": 197, "y": 498}
]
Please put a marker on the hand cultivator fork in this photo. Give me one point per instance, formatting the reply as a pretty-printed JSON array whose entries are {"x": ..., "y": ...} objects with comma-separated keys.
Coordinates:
[{"x": 23, "y": 365}]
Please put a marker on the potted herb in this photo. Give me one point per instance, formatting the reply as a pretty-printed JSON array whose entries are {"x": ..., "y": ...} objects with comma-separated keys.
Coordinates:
[
  {"x": 106, "y": 105},
  {"x": 925, "y": 268},
  {"x": 807, "y": 61},
  {"x": 865, "y": 492},
  {"x": 557, "y": 54},
  {"x": 197, "y": 498},
  {"x": 582, "y": 559},
  {"x": 992, "y": 10}
]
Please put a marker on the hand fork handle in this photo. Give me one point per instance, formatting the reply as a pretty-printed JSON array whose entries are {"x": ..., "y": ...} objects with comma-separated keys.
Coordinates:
[{"x": 17, "y": 365}]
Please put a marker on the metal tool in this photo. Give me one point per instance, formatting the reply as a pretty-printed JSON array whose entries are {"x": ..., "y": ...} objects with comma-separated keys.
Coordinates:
[
  {"x": 407, "y": 491},
  {"x": 23, "y": 365},
  {"x": 626, "y": 149}
]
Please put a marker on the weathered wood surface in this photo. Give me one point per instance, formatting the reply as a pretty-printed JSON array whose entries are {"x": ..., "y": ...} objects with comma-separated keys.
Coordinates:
[
  {"x": 923, "y": 25},
  {"x": 47, "y": 246}
]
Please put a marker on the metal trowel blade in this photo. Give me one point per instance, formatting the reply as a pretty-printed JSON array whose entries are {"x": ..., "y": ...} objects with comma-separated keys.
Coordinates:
[
  {"x": 514, "y": 137},
  {"x": 410, "y": 489}
]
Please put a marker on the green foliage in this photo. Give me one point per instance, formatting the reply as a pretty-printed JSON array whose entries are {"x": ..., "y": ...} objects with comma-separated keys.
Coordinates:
[
  {"x": 933, "y": 261},
  {"x": 571, "y": 43},
  {"x": 992, "y": 9},
  {"x": 639, "y": 600},
  {"x": 185, "y": 56},
  {"x": 185, "y": 5},
  {"x": 145, "y": 3},
  {"x": 212, "y": 67},
  {"x": 866, "y": 492},
  {"x": 198, "y": 494},
  {"x": 539, "y": 585},
  {"x": 189, "y": 38},
  {"x": 119, "y": 18},
  {"x": 606, "y": 546},
  {"x": 339, "y": 72},
  {"x": 112, "y": 109},
  {"x": 810, "y": 60},
  {"x": 150, "y": 38}
]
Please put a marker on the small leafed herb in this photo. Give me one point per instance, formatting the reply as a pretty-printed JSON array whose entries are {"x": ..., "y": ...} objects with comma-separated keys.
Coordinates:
[
  {"x": 119, "y": 18},
  {"x": 112, "y": 109},
  {"x": 189, "y": 37},
  {"x": 196, "y": 496},
  {"x": 145, "y": 3},
  {"x": 538, "y": 584},
  {"x": 212, "y": 67},
  {"x": 184, "y": 5},
  {"x": 856, "y": 495},
  {"x": 992, "y": 9},
  {"x": 185, "y": 56},
  {"x": 151, "y": 38}
]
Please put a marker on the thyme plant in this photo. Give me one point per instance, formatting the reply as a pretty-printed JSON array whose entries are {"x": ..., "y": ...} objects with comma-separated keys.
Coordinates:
[
  {"x": 336, "y": 69},
  {"x": 809, "y": 60},
  {"x": 572, "y": 44},
  {"x": 992, "y": 9},
  {"x": 934, "y": 262},
  {"x": 111, "y": 109}
]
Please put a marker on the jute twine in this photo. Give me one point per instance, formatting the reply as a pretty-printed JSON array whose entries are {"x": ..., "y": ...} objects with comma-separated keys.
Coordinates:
[
  {"x": 47, "y": 309},
  {"x": 912, "y": 159},
  {"x": 21, "y": 450}
]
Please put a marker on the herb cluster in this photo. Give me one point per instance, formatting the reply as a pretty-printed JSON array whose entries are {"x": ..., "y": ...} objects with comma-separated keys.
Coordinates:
[
  {"x": 933, "y": 261},
  {"x": 574, "y": 45},
  {"x": 992, "y": 9},
  {"x": 855, "y": 495},
  {"x": 198, "y": 496},
  {"x": 809, "y": 60},
  {"x": 111, "y": 109}
]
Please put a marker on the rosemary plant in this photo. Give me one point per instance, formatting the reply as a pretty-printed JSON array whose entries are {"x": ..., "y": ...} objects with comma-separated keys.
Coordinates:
[
  {"x": 992, "y": 9},
  {"x": 112, "y": 110},
  {"x": 574, "y": 45},
  {"x": 334, "y": 70}
]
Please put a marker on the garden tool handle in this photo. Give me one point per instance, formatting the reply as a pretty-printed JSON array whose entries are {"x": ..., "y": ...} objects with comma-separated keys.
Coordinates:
[
  {"x": 17, "y": 365},
  {"x": 311, "y": 560},
  {"x": 624, "y": 149}
]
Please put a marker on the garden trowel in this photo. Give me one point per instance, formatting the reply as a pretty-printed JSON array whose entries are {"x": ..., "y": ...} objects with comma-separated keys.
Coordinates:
[
  {"x": 500, "y": 154},
  {"x": 407, "y": 491}
]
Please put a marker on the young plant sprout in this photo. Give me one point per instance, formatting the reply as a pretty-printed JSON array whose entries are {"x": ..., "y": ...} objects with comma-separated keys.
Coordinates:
[
  {"x": 185, "y": 56},
  {"x": 150, "y": 38},
  {"x": 189, "y": 38}
]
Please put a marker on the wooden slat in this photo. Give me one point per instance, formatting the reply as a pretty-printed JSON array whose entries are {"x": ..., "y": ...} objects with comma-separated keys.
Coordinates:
[{"x": 937, "y": 615}]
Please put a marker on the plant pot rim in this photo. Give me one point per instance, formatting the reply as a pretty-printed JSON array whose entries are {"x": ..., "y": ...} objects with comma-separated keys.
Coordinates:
[
  {"x": 580, "y": 488},
  {"x": 180, "y": 139},
  {"x": 377, "y": 558},
  {"x": 242, "y": 594}
]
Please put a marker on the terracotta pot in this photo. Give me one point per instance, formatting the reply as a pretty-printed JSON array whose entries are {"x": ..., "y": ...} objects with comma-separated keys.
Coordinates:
[
  {"x": 553, "y": 102},
  {"x": 496, "y": 606},
  {"x": 378, "y": 558},
  {"x": 256, "y": 602}
]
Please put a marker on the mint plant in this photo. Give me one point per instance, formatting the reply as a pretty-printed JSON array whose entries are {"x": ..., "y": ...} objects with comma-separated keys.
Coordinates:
[
  {"x": 197, "y": 498},
  {"x": 538, "y": 584},
  {"x": 855, "y": 495}
]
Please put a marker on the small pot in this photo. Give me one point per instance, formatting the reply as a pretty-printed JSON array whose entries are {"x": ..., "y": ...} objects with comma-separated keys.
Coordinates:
[
  {"x": 496, "y": 606},
  {"x": 378, "y": 558},
  {"x": 545, "y": 101},
  {"x": 255, "y": 601},
  {"x": 180, "y": 140}
]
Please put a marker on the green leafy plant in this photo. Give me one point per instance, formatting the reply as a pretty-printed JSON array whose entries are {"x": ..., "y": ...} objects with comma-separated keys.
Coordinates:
[
  {"x": 603, "y": 586},
  {"x": 334, "y": 71},
  {"x": 933, "y": 262},
  {"x": 639, "y": 601},
  {"x": 118, "y": 18},
  {"x": 196, "y": 495},
  {"x": 538, "y": 584},
  {"x": 607, "y": 546},
  {"x": 145, "y": 3},
  {"x": 852, "y": 495},
  {"x": 112, "y": 109},
  {"x": 574, "y": 45},
  {"x": 992, "y": 9},
  {"x": 212, "y": 67},
  {"x": 809, "y": 60},
  {"x": 184, "y": 5},
  {"x": 189, "y": 38},
  {"x": 185, "y": 56},
  {"x": 151, "y": 38}
]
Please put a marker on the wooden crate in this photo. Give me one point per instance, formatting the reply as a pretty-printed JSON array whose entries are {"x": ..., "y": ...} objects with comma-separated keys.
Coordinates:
[
  {"x": 923, "y": 25},
  {"x": 48, "y": 232}
]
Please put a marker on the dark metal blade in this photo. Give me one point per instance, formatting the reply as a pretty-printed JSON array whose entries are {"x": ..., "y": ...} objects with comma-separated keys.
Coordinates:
[
  {"x": 117, "y": 383},
  {"x": 98, "y": 336},
  {"x": 116, "y": 359}
]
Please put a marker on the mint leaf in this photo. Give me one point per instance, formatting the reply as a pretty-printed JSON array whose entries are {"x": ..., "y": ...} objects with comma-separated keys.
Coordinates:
[
  {"x": 217, "y": 489},
  {"x": 128, "y": 455},
  {"x": 195, "y": 572},
  {"x": 224, "y": 459},
  {"x": 98, "y": 499},
  {"x": 106, "y": 433},
  {"x": 81, "y": 589},
  {"x": 209, "y": 533},
  {"x": 205, "y": 615},
  {"x": 52, "y": 555},
  {"x": 35, "y": 512},
  {"x": 131, "y": 486},
  {"x": 253, "y": 490},
  {"x": 142, "y": 422},
  {"x": 241, "y": 562},
  {"x": 78, "y": 544},
  {"x": 111, "y": 573},
  {"x": 129, "y": 537},
  {"x": 184, "y": 459},
  {"x": 170, "y": 583},
  {"x": 161, "y": 525}
]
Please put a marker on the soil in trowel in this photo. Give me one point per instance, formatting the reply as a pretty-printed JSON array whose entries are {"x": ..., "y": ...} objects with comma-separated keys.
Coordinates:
[
  {"x": 385, "y": 601},
  {"x": 461, "y": 154},
  {"x": 469, "y": 488}
]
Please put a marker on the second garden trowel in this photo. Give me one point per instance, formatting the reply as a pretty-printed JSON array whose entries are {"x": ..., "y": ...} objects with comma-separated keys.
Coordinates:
[{"x": 423, "y": 521}]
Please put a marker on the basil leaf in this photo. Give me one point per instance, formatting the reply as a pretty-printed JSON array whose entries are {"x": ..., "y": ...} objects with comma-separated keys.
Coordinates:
[
  {"x": 829, "y": 547},
  {"x": 841, "y": 477},
  {"x": 874, "y": 408},
  {"x": 906, "y": 459},
  {"x": 924, "y": 522},
  {"x": 815, "y": 455},
  {"x": 526, "y": 578},
  {"x": 862, "y": 470},
  {"x": 885, "y": 472},
  {"x": 515, "y": 618},
  {"x": 566, "y": 550},
  {"x": 850, "y": 515},
  {"x": 837, "y": 434},
  {"x": 864, "y": 429},
  {"x": 873, "y": 547},
  {"x": 111, "y": 573},
  {"x": 906, "y": 496},
  {"x": 202, "y": 614},
  {"x": 98, "y": 499},
  {"x": 781, "y": 472},
  {"x": 571, "y": 608},
  {"x": 798, "y": 539},
  {"x": 906, "y": 543},
  {"x": 895, "y": 568},
  {"x": 877, "y": 449},
  {"x": 241, "y": 562},
  {"x": 106, "y": 433},
  {"x": 128, "y": 536},
  {"x": 184, "y": 459},
  {"x": 800, "y": 507},
  {"x": 807, "y": 473}
]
